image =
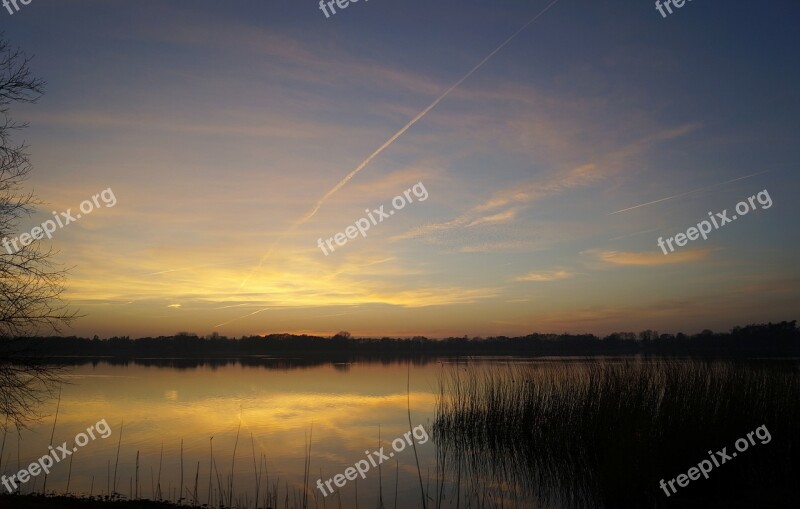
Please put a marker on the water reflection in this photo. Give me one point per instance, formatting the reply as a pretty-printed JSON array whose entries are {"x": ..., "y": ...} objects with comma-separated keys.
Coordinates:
[
  {"x": 151, "y": 406},
  {"x": 535, "y": 433}
]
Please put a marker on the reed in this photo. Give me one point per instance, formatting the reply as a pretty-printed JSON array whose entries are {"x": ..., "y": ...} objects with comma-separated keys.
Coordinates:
[
  {"x": 413, "y": 443},
  {"x": 52, "y": 434},
  {"x": 307, "y": 468},
  {"x": 597, "y": 434},
  {"x": 159, "y": 495},
  {"x": 256, "y": 471},
  {"x": 233, "y": 460},
  {"x": 196, "y": 479},
  {"x": 69, "y": 476},
  {"x": 180, "y": 488},
  {"x": 137, "y": 494},
  {"x": 116, "y": 463},
  {"x": 210, "y": 464}
]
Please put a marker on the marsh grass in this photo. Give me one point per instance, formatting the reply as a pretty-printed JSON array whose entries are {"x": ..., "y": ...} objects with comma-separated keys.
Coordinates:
[{"x": 602, "y": 434}]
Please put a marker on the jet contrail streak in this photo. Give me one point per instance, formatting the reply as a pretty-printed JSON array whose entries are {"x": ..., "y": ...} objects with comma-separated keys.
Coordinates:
[
  {"x": 396, "y": 135},
  {"x": 684, "y": 194},
  {"x": 245, "y": 316},
  {"x": 188, "y": 268},
  {"x": 417, "y": 118}
]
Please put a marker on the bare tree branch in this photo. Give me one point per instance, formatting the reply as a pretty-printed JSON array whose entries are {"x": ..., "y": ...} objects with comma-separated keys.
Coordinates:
[{"x": 31, "y": 283}]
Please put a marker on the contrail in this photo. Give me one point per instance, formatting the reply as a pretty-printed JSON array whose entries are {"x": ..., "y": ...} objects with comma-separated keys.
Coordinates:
[
  {"x": 396, "y": 135},
  {"x": 189, "y": 268},
  {"x": 245, "y": 316},
  {"x": 417, "y": 118},
  {"x": 687, "y": 192}
]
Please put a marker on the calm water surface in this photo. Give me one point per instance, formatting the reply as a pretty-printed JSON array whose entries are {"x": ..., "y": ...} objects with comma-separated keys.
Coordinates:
[
  {"x": 340, "y": 407},
  {"x": 172, "y": 417}
]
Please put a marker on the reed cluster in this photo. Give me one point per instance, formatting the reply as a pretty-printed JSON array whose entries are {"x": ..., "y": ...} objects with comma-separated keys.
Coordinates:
[{"x": 602, "y": 433}]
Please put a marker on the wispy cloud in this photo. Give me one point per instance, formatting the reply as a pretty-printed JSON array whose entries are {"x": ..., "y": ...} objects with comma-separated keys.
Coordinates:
[
  {"x": 493, "y": 247},
  {"x": 648, "y": 258},
  {"x": 545, "y": 276},
  {"x": 419, "y": 116},
  {"x": 528, "y": 192},
  {"x": 500, "y": 217},
  {"x": 513, "y": 198}
]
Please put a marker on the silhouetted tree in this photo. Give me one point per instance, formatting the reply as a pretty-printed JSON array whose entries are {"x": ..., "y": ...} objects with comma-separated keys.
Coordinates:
[
  {"x": 648, "y": 335},
  {"x": 31, "y": 283}
]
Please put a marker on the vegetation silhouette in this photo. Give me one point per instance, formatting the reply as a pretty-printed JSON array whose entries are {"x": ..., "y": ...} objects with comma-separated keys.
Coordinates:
[
  {"x": 286, "y": 350},
  {"x": 31, "y": 283},
  {"x": 603, "y": 434}
]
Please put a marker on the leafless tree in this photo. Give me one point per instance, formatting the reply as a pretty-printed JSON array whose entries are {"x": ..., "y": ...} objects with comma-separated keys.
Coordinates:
[{"x": 31, "y": 283}]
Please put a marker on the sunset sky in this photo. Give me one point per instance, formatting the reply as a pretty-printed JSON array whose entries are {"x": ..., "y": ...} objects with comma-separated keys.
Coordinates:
[{"x": 220, "y": 126}]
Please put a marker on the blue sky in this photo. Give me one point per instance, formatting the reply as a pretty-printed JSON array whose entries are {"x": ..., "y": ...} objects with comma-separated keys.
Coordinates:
[{"x": 220, "y": 124}]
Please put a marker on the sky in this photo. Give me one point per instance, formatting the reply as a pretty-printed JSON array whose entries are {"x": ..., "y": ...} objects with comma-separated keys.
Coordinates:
[{"x": 535, "y": 190}]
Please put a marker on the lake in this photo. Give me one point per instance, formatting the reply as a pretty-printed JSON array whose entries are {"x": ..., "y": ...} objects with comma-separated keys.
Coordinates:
[
  {"x": 186, "y": 419},
  {"x": 339, "y": 407}
]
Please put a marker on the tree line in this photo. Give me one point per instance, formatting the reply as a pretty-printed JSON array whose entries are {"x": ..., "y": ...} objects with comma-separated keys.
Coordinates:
[{"x": 773, "y": 339}]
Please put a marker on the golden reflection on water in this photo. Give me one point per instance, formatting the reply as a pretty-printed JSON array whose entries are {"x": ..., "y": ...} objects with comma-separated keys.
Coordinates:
[{"x": 153, "y": 406}]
